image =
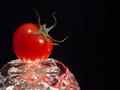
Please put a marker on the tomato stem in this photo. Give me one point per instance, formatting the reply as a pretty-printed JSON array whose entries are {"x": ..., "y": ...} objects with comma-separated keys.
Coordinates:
[
  {"x": 38, "y": 15},
  {"x": 45, "y": 31},
  {"x": 55, "y": 23},
  {"x": 58, "y": 41}
]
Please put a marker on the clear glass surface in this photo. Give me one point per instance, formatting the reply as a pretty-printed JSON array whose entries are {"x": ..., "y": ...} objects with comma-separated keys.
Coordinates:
[{"x": 48, "y": 75}]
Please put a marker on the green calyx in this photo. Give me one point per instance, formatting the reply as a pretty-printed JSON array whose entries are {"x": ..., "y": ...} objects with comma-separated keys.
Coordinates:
[{"x": 45, "y": 32}]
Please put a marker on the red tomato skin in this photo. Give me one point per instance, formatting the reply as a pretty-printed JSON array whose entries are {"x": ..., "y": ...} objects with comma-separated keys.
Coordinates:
[{"x": 29, "y": 46}]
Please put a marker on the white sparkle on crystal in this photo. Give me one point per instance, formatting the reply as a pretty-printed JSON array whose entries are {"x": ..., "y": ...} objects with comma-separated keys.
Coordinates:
[{"x": 10, "y": 88}]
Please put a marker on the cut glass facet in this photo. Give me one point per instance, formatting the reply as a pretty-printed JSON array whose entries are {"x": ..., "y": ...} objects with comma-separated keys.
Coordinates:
[{"x": 48, "y": 75}]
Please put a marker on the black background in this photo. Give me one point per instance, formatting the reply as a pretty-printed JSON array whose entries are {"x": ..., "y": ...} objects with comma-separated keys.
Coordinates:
[{"x": 83, "y": 21}]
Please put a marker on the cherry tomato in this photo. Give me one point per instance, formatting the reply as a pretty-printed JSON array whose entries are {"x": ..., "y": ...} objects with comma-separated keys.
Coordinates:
[{"x": 29, "y": 46}]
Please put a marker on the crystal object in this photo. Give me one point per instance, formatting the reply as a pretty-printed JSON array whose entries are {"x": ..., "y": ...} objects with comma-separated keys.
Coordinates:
[{"x": 48, "y": 75}]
